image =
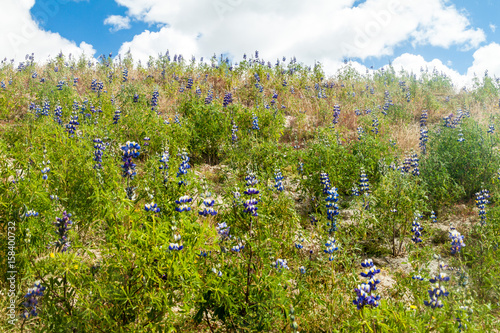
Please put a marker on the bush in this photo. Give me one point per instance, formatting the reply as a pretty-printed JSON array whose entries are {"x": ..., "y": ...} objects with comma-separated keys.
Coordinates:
[{"x": 454, "y": 170}]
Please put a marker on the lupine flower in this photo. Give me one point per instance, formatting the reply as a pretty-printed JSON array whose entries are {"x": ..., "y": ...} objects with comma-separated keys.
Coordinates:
[
  {"x": 154, "y": 99},
  {"x": 361, "y": 132},
  {"x": 183, "y": 167},
  {"x": 416, "y": 229},
  {"x": 460, "y": 136},
  {"x": 336, "y": 115},
  {"x": 298, "y": 242},
  {"x": 175, "y": 246},
  {"x": 457, "y": 240},
  {"x": 300, "y": 168},
  {"x": 62, "y": 226},
  {"x": 438, "y": 290},
  {"x": 98, "y": 152},
  {"x": 223, "y": 230},
  {"x": 136, "y": 98},
  {"x": 364, "y": 186},
  {"x": 146, "y": 141},
  {"x": 234, "y": 129},
  {"x": 228, "y": 99},
  {"x": 255, "y": 122},
  {"x": 130, "y": 150},
  {"x": 182, "y": 202},
  {"x": 31, "y": 300},
  {"x": 278, "y": 177},
  {"x": 325, "y": 181},
  {"x": 331, "y": 247},
  {"x": 30, "y": 213},
  {"x": 313, "y": 219},
  {"x": 491, "y": 129},
  {"x": 45, "y": 172},
  {"x": 280, "y": 264},
  {"x": 217, "y": 272},
  {"x": 433, "y": 217},
  {"x": 209, "y": 97},
  {"x": 208, "y": 209},
  {"x": 58, "y": 114},
  {"x": 375, "y": 125},
  {"x": 332, "y": 209},
  {"x": 481, "y": 201},
  {"x": 364, "y": 292},
  {"x": 189, "y": 84},
  {"x": 417, "y": 277},
  {"x": 238, "y": 247},
  {"x": 152, "y": 207},
  {"x": 54, "y": 197},
  {"x": 117, "y": 115},
  {"x": 164, "y": 159},
  {"x": 125, "y": 75}
]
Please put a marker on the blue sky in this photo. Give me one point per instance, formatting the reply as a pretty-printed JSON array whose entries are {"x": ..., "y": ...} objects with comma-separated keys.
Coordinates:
[{"x": 457, "y": 37}]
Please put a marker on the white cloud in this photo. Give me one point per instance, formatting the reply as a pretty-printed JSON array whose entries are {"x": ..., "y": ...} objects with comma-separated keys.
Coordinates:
[
  {"x": 493, "y": 27},
  {"x": 326, "y": 31},
  {"x": 117, "y": 22},
  {"x": 21, "y": 35},
  {"x": 486, "y": 58}
]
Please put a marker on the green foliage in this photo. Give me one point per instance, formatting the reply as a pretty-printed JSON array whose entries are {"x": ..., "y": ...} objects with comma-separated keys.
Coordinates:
[{"x": 454, "y": 170}]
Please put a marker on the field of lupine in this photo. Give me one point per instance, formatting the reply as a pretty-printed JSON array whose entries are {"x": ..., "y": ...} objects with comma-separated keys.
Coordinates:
[{"x": 187, "y": 195}]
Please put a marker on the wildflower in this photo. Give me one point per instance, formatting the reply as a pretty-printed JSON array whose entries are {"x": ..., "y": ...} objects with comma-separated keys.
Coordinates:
[
  {"x": 130, "y": 150},
  {"x": 298, "y": 242},
  {"x": 491, "y": 129},
  {"x": 62, "y": 227},
  {"x": 182, "y": 202},
  {"x": 208, "y": 208},
  {"x": 45, "y": 172},
  {"x": 336, "y": 115},
  {"x": 364, "y": 291},
  {"x": 437, "y": 290},
  {"x": 183, "y": 167},
  {"x": 302, "y": 270},
  {"x": 238, "y": 247},
  {"x": 417, "y": 277},
  {"x": 54, "y": 197},
  {"x": 117, "y": 115},
  {"x": 30, "y": 213},
  {"x": 31, "y": 300},
  {"x": 416, "y": 229},
  {"x": 361, "y": 132},
  {"x": 222, "y": 230},
  {"x": 125, "y": 75},
  {"x": 280, "y": 264},
  {"x": 331, "y": 247},
  {"x": 154, "y": 99},
  {"x": 481, "y": 201},
  {"x": 98, "y": 152},
  {"x": 255, "y": 122},
  {"x": 433, "y": 217},
  {"x": 278, "y": 177},
  {"x": 228, "y": 99},
  {"x": 234, "y": 129},
  {"x": 457, "y": 240},
  {"x": 164, "y": 159},
  {"x": 217, "y": 272},
  {"x": 375, "y": 125},
  {"x": 332, "y": 209},
  {"x": 152, "y": 207},
  {"x": 325, "y": 181}
]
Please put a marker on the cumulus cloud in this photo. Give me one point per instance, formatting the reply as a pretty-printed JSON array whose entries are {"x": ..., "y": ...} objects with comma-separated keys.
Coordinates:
[
  {"x": 117, "y": 22},
  {"x": 486, "y": 58},
  {"x": 21, "y": 35},
  {"x": 326, "y": 31}
]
